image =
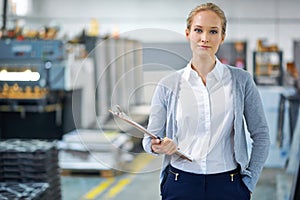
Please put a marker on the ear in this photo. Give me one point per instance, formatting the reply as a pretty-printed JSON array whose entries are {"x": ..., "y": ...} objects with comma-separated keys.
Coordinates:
[
  {"x": 187, "y": 34},
  {"x": 223, "y": 38}
]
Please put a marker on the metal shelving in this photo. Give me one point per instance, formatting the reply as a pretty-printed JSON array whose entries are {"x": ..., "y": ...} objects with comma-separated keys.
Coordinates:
[{"x": 268, "y": 69}]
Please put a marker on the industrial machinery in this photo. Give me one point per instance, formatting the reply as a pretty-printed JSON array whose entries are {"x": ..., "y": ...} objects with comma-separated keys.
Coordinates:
[
  {"x": 32, "y": 63},
  {"x": 32, "y": 93}
]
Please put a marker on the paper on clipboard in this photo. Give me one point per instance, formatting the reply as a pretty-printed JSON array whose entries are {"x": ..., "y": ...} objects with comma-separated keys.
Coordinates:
[{"x": 123, "y": 116}]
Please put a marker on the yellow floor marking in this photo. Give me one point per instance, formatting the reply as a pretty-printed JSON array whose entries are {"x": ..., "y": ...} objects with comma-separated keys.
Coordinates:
[
  {"x": 96, "y": 191},
  {"x": 139, "y": 163},
  {"x": 118, "y": 188}
]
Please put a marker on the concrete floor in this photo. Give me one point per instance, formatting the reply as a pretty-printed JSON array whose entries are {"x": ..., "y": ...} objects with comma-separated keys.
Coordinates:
[{"x": 141, "y": 183}]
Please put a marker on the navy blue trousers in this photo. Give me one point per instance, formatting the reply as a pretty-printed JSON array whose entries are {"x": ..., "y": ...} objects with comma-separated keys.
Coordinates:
[{"x": 180, "y": 185}]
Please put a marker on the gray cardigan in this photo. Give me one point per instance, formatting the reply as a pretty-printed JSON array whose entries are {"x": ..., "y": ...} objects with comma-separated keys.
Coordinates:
[{"x": 247, "y": 106}]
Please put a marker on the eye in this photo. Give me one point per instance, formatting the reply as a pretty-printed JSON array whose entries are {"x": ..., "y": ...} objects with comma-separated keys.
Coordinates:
[
  {"x": 214, "y": 32},
  {"x": 198, "y": 30}
]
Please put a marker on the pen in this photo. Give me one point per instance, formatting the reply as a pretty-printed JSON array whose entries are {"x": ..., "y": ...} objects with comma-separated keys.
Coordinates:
[{"x": 160, "y": 140}]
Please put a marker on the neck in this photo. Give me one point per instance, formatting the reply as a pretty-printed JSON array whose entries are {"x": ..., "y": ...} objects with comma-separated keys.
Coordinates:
[{"x": 203, "y": 65}]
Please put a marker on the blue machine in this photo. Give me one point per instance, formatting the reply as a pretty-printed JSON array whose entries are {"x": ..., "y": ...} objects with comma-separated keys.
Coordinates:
[
  {"x": 32, "y": 90},
  {"x": 43, "y": 58}
]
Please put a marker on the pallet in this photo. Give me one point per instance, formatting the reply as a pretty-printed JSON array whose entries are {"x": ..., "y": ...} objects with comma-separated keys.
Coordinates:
[{"x": 107, "y": 173}]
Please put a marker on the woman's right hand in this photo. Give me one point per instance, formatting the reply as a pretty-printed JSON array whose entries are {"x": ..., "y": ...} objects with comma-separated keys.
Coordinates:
[{"x": 165, "y": 146}]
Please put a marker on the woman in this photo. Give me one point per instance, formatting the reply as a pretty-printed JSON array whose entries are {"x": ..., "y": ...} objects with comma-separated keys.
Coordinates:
[{"x": 200, "y": 110}]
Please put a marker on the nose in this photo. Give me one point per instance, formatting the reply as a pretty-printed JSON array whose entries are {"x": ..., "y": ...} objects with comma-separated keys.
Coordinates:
[{"x": 204, "y": 38}]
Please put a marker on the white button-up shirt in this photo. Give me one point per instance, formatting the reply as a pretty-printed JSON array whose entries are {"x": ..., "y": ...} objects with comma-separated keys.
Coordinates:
[{"x": 205, "y": 121}]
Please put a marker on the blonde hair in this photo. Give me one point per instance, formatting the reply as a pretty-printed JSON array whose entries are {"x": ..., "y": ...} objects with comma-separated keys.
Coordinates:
[{"x": 207, "y": 6}]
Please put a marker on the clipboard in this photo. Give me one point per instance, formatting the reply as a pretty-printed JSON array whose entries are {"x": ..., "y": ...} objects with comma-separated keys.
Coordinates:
[{"x": 123, "y": 116}]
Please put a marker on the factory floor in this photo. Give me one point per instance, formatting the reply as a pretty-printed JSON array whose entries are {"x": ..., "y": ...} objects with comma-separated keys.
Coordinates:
[{"x": 144, "y": 184}]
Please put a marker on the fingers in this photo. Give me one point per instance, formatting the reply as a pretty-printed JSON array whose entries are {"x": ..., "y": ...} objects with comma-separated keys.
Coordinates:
[
  {"x": 155, "y": 145},
  {"x": 155, "y": 141},
  {"x": 169, "y": 147},
  {"x": 166, "y": 146}
]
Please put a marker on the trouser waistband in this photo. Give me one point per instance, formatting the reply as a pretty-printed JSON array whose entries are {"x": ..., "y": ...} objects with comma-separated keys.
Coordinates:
[{"x": 230, "y": 173}]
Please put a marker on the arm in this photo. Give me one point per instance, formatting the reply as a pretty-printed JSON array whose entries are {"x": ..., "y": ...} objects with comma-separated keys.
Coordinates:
[
  {"x": 157, "y": 117},
  {"x": 259, "y": 131},
  {"x": 157, "y": 125}
]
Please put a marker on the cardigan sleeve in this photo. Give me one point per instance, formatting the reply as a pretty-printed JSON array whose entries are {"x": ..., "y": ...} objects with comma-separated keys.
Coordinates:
[
  {"x": 258, "y": 129},
  {"x": 157, "y": 117}
]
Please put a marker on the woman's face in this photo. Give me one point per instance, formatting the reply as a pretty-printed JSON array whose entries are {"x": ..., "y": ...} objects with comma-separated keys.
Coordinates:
[{"x": 205, "y": 34}]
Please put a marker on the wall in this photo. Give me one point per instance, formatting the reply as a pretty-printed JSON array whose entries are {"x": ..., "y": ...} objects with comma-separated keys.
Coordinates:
[{"x": 275, "y": 20}]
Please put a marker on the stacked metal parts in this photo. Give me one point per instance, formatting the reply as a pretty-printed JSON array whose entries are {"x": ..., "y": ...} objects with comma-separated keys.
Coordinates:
[
  {"x": 29, "y": 167},
  {"x": 20, "y": 191}
]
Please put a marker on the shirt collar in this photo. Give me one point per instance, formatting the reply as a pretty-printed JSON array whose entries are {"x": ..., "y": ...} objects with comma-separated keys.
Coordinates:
[{"x": 217, "y": 71}]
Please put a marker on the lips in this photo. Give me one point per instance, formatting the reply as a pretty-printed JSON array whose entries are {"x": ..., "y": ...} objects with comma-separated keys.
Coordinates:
[{"x": 204, "y": 46}]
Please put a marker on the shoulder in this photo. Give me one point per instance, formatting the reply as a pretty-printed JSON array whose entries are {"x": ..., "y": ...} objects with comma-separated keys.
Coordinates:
[
  {"x": 238, "y": 72},
  {"x": 166, "y": 87},
  {"x": 240, "y": 75},
  {"x": 172, "y": 79}
]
